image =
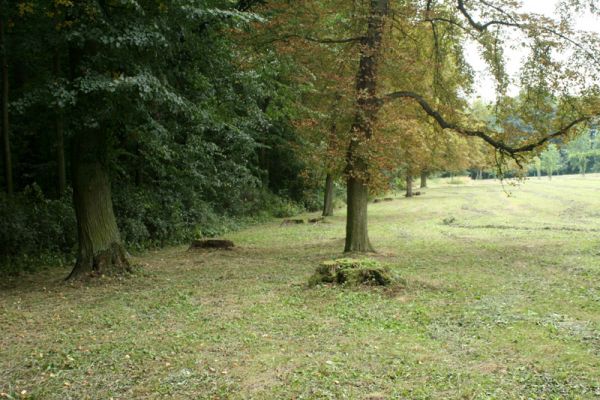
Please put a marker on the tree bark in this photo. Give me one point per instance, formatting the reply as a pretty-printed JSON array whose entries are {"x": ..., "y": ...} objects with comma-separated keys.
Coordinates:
[
  {"x": 328, "y": 201},
  {"x": 367, "y": 107},
  {"x": 8, "y": 167},
  {"x": 409, "y": 185},
  {"x": 423, "y": 179},
  {"x": 357, "y": 235},
  {"x": 100, "y": 249}
]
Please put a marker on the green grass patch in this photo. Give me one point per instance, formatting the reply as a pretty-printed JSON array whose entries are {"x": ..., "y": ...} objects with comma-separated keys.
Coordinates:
[{"x": 503, "y": 303}]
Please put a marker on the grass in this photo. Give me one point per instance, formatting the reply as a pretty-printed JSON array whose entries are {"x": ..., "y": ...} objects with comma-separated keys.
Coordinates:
[{"x": 501, "y": 303}]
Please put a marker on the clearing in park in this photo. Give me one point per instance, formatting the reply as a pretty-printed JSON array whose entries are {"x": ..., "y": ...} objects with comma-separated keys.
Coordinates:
[{"x": 499, "y": 298}]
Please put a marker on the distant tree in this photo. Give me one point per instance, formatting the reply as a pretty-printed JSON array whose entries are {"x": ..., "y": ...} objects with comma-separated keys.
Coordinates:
[
  {"x": 550, "y": 160},
  {"x": 579, "y": 152},
  {"x": 537, "y": 163}
]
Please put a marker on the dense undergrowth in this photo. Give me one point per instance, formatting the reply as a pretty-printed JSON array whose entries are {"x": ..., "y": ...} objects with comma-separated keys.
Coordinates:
[{"x": 38, "y": 232}]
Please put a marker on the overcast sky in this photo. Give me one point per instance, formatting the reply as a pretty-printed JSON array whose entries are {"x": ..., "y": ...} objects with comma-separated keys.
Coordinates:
[{"x": 484, "y": 86}]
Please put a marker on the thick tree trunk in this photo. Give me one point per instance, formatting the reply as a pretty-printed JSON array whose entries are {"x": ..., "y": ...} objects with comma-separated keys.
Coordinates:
[
  {"x": 409, "y": 185},
  {"x": 328, "y": 201},
  {"x": 357, "y": 235},
  {"x": 8, "y": 167},
  {"x": 479, "y": 174},
  {"x": 100, "y": 249},
  {"x": 367, "y": 107},
  {"x": 423, "y": 179}
]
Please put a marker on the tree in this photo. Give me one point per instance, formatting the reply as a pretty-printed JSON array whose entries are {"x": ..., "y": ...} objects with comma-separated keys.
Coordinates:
[
  {"x": 579, "y": 152},
  {"x": 122, "y": 74},
  {"x": 537, "y": 163},
  {"x": 423, "y": 67},
  {"x": 550, "y": 159}
]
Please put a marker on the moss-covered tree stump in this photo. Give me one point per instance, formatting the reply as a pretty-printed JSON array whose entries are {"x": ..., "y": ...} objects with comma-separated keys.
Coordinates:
[{"x": 352, "y": 272}]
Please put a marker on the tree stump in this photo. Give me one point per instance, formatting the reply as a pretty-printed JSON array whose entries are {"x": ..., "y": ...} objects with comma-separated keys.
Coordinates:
[
  {"x": 292, "y": 221},
  {"x": 212, "y": 244},
  {"x": 352, "y": 272}
]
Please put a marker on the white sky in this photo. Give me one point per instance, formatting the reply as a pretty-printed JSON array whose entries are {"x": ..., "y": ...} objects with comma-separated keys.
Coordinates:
[{"x": 484, "y": 85}]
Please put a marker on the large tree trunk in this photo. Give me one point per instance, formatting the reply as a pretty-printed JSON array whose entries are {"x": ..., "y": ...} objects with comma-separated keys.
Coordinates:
[
  {"x": 409, "y": 185},
  {"x": 8, "y": 167},
  {"x": 367, "y": 107},
  {"x": 100, "y": 248},
  {"x": 423, "y": 179},
  {"x": 357, "y": 235},
  {"x": 328, "y": 201}
]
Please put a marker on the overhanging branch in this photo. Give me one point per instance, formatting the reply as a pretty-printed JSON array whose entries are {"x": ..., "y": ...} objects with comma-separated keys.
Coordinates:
[
  {"x": 503, "y": 147},
  {"x": 479, "y": 26}
]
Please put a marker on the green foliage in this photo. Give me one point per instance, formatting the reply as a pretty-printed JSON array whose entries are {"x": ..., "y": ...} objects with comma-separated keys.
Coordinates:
[
  {"x": 282, "y": 208},
  {"x": 35, "y": 230},
  {"x": 580, "y": 151},
  {"x": 195, "y": 130},
  {"x": 551, "y": 159}
]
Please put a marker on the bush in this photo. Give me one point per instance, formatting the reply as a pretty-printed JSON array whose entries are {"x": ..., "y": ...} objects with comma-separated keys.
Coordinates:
[
  {"x": 284, "y": 208},
  {"x": 39, "y": 231},
  {"x": 35, "y": 228}
]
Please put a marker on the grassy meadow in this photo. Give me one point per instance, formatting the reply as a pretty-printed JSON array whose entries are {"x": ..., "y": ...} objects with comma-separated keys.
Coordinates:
[{"x": 501, "y": 300}]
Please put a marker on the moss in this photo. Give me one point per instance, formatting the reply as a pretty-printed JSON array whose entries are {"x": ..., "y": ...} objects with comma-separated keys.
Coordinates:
[{"x": 352, "y": 272}]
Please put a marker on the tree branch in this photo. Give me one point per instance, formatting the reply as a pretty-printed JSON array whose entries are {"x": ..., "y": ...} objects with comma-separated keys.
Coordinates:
[
  {"x": 503, "y": 147},
  {"x": 482, "y": 27}
]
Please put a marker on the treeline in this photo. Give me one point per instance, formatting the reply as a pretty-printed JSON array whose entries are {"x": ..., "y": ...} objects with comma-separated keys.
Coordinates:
[
  {"x": 579, "y": 156},
  {"x": 153, "y": 109}
]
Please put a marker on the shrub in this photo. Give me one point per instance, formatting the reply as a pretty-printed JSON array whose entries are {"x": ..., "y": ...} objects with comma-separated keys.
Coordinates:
[{"x": 35, "y": 228}]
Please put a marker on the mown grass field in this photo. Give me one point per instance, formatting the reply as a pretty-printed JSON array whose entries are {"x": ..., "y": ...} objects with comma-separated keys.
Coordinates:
[{"x": 502, "y": 303}]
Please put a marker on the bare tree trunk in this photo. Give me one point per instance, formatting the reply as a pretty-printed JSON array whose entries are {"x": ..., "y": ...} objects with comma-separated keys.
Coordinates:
[
  {"x": 100, "y": 248},
  {"x": 367, "y": 107},
  {"x": 409, "y": 185},
  {"x": 8, "y": 167},
  {"x": 357, "y": 234},
  {"x": 423, "y": 179},
  {"x": 479, "y": 174},
  {"x": 328, "y": 201}
]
